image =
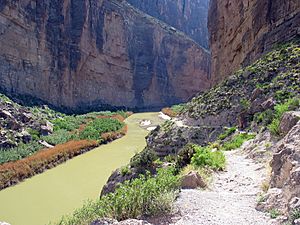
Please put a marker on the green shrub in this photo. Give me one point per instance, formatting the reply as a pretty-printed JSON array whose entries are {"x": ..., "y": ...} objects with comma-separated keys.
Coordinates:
[
  {"x": 264, "y": 118},
  {"x": 95, "y": 128},
  {"x": 280, "y": 109},
  {"x": 237, "y": 141},
  {"x": 60, "y": 137},
  {"x": 20, "y": 152},
  {"x": 245, "y": 103},
  {"x": 144, "y": 159},
  {"x": 204, "y": 156},
  {"x": 295, "y": 214},
  {"x": 227, "y": 133},
  {"x": 35, "y": 135},
  {"x": 68, "y": 123},
  {"x": 185, "y": 156},
  {"x": 178, "y": 108},
  {"x": 146, "y": 195},
  {"x": 274, "y": 213},
  {"x": 125, "y": 170}
]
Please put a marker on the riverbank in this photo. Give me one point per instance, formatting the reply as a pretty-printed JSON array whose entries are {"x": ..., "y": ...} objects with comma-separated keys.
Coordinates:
[
  {"x": 64, "y": 188},
  {"x": 93, "y": 131}
]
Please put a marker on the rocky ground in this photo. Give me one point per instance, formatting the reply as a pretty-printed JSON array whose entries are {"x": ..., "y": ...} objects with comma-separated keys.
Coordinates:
[{"x": 19, "y": 123}]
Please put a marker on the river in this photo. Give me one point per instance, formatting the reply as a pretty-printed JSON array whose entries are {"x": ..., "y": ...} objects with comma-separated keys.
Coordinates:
[{"x": 56, "y": 192}]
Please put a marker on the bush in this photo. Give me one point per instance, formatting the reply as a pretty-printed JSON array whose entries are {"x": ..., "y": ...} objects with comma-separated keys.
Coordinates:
[
  {"x": 204, "y": 156},
  {"x": 34, "y": 134},
  {"x": 227, "y": 133},
  {"x": 264, "y": 118},
  {"x": 95, "y": 128},
  {"x": 280, "y": 109},
  {"x": 68, "y": 123},
  {"x": 145, "y": 195},
  {"x": 295, "y": 214},
  {"x": 237, "y": 141},
  {"x": 185, "y": 156},
  {"x": 144, "y": 159},
  {"x": 20, "y": 152},
  {"x": 60, "y": 137},
  {"x": 174, "y": 110}
]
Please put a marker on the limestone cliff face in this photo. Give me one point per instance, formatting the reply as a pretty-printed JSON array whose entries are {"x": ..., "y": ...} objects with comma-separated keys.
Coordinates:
[
  {"x": 240, "y": 31},
  {"x": 187, "y": 16},
  {"x": 81, "y": 55}
]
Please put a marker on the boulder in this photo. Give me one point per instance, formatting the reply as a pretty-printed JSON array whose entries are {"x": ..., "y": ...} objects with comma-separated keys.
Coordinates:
[
  {"x": 7, "y": 143},
  {"x": 297, "y": 222},
  {"x": 288, "y": 121},
  {"x": 26, "y": 117},
  {"x": 192, "y": 181},
  {"x": 13, "y": 124},
  {"x": 269, "y": 103},
  {"x": 5, "y": 114},
  {"x": 46, "y": 129},
  {"x": 24, "y": 136},
  {"x": 257, "y": 92},
  {"x": 117, "y": 178}
]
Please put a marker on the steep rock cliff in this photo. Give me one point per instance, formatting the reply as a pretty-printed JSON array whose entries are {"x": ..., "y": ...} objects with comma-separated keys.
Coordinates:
[
  {"x": 188, "y": 16},
  {"x": 81, "y": 55},
  {"x": 240, "y": 31}
]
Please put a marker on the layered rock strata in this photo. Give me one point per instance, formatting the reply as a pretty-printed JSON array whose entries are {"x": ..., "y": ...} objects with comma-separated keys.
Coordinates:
[{"x": 81, "y": 55}]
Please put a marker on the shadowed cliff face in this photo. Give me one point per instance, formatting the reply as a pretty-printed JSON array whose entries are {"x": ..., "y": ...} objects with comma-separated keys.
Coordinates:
[
  {"x": 240, "y": 31},
  {"x": 82, "y": 55},
  {"x": 187, "y": 16}
]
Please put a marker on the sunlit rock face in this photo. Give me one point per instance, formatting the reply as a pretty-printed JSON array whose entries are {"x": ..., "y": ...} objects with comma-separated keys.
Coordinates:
[
  {"x": 82, "y": 55},
  {"x": 188, "y": 16},
  {"x": 240, "y": 31}
]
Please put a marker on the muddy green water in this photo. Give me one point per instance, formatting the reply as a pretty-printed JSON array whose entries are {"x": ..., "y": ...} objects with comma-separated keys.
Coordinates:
[{"x": 48, "y": 196}]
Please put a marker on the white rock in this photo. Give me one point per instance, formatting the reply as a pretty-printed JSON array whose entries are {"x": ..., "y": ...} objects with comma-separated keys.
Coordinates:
[{"x": 164, "y": 116}]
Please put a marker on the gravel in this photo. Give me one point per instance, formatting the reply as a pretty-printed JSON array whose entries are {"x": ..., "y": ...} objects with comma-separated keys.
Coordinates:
[{"x": 230, "y": 201}]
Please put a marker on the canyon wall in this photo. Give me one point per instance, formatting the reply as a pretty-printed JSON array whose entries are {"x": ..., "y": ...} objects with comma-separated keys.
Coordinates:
[
  {"x": 241, "y": 30},
  {"x": 187, "y": 16},
  {"x": 82, "y": 55}
]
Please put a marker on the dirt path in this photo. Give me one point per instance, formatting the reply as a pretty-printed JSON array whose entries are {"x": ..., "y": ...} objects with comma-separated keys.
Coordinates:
[{"x": 231, "y": 200}]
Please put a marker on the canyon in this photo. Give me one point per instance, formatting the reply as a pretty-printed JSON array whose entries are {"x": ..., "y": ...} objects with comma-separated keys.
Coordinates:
[
  {"x": 238, "y": 131},
  {"x": 84, "y": 55}
]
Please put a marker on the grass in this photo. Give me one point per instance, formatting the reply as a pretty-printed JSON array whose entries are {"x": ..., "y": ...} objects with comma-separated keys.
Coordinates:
[
  {"x": 261, "y": 198},
  {"x": 146, "y": 195},
  {"x": 237, "y": 141},
  {"x": 227, "y": 133},
  {"x": 205, "y": 157},
  {"x": 274, "y": 213}
]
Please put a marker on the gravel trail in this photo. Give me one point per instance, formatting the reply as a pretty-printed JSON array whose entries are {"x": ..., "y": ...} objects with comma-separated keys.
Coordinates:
[{"x": 231, "y": 199}]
